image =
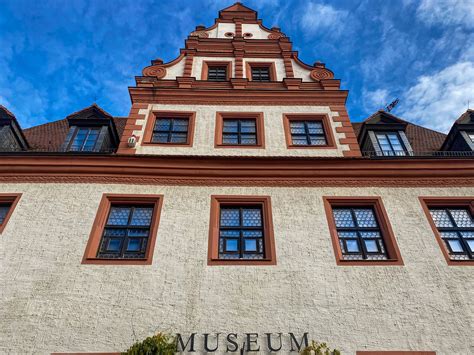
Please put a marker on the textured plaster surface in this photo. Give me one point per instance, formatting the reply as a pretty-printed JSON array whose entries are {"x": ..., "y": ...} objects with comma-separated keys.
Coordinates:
[
  {"x": 255, "y": 30},
  {"x": 175, "y": 70},
  {"x": 301, "y": 72},
  {"x": 50, "y": 302},
  {"x": 275, "y": 143}
]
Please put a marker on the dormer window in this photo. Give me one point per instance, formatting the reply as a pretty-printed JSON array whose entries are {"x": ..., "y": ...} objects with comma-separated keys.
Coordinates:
[
  {"x": 471, "y": 136},
  {"x": 390, "y": 144},
  {"x": 84, "y": 140}
]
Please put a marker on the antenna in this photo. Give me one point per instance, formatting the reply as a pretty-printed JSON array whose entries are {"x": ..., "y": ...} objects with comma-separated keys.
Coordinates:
[{"x": 392, "y": 105}]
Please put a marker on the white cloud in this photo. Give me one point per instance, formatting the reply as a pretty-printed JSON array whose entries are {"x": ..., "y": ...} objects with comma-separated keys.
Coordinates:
[
  {"x": 321, "y": 17},
  {"x": 375, "y": 100},
  {"x": 447, "y": 12},
  {"x": 437, "y": 100}
]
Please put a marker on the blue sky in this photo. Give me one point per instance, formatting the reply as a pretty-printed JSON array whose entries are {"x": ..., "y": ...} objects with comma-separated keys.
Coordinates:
[{"x": 58, "y": 56}]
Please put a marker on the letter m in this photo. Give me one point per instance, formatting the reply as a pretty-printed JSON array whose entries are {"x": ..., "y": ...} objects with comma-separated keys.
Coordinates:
[
  {"x": 303, "y": 344},
  {"x": 181, "y": 346}
]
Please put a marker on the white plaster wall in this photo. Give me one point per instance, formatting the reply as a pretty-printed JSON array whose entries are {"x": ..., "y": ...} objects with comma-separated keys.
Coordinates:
[
  {"x": 221, "y": 29},
  {"x": 175, "y": 70},
  {"x": 197, "y": 64},
  {"x": 256, "y": 30},
  {"x": 275, "y": 143},
  {"x": 279, "y": 66},
  {"x": 301, "y": 72},
  {"x": 50, "y": 302}
]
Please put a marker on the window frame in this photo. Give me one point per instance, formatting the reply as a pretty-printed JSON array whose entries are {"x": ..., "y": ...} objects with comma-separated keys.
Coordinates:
[
  {"x": 95, "y": 237},
  {"x": 388, "y": 237},
  {"x": 156, "y": 115},
  {"x": 208, "y": 63},
  {"x": 327, "y": 128},
  {"x": 259, "y": 126},
  {"x": 268, "y": 234},
  {"x": 11, "y": 199},
  {"x": 446, "y": 202},
  {"x": 271, "y": 70},
  {"x": 400, "y": 140},
  {"x": 74, "y": 135}
]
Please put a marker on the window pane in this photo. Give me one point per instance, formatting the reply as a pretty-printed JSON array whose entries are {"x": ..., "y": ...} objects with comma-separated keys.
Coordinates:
[
  {"x": 300, "y": 140},
  {"x": 352, "y": 246},
  {"x": 250, "y": 245},
  {"x": 230, "y": 139},
  {"x": 180, "y": 125},
  {"x": 3, "y": 212},
  {"x": 470, "y": 243},
  {"x": 134, "y": 244},
  {"x": 118, "y": 216},
  {"x": 114, "y": 232},
  {"x": 138, "y": 232},
  {"x": 347, "y": 234},
  {"x": 318, "y": 140},
  {"x": 343, "y": 218},
  {"x": 179, "y": 138},
  {"x": 163, "y": 124},
  {"x": 441, "y": 218},
  {"x": 232, "y": 245},
  {"x": 231, "y": 126},
  {"x": 248, "y": 139},
  {"x": 230, "y": 233},
  {"x": 371, "y": 246},
  {"x": 114, "y": 245},
  {"x": 141, "y": 216},
  {"x": 455, "y": 245},
  {"x": 252, "y": 217},
  {"x": 462, "y": 218},
  {"x": 365, "y": 218},
  {"x": 230, "y": 217},
  {"x": 252, "y": 234}
]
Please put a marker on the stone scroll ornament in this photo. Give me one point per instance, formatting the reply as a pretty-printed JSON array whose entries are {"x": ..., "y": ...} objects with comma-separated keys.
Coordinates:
[
  {"x": 200, "y": 34},
  {"x": 157, "y": 71},
  {"x": 275, "y": 35},
  {"x": 320, "y": 72}
]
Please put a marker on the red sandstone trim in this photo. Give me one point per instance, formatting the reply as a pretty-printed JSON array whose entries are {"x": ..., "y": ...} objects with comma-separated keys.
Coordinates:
[
  {"x": 350, "y": 137},
  {"x": 130, "y": 126},
  {"x": 12, "y": 199}
]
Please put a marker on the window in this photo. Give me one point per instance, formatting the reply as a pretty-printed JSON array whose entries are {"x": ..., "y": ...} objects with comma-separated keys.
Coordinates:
[
  {"x": 261, "y": 72},
  {"x": 471, "y": 136},
  {"x": 170, "y": 128},
  {"x": 452, "y": 222},
  {"x": 241, "y": 231},
  {"x": 308, "y": 131},
  {"x": 239, "y": 130},
  {"x": 216, "y": 71},
  {"x": 8, "y": 203},
  {"x": 84, "y": 139},
  {"x": 124, "y": 231},
  {"x": 390, "y": 143},
  {"x": 361, "y": 232}
]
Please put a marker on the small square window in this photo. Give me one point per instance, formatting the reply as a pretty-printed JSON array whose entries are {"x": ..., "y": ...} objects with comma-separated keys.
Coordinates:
[
  {"x": 124, "y": 231},
  {"x": 360, "y": 232},
  {"x": 261, "y": 72},
  {"x": 308, "y": 131},
  {"x": 452, "y": 221},
  {"x": 216, "y": 71},
  {"x": 170, "y": 128},
  {"x": 239, "y": 130},
  {"x": 8, "y": 203},
  {"x": 241, "y": 231}
]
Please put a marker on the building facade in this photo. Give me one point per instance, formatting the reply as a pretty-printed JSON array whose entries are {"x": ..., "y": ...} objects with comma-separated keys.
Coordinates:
[{"x": 237, "y": 199}]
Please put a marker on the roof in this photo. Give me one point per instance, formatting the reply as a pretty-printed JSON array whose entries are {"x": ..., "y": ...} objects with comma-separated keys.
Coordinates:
[
  {"x": 50, "y": 136},
  {"x": 421, "y": 139}
]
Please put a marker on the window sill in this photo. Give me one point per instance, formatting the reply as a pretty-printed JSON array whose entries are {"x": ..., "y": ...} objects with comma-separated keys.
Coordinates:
[
  {"x": 250, "y": 262},
  {"x": 103, "y": 261},
  {"x": 388, "y": 262}
]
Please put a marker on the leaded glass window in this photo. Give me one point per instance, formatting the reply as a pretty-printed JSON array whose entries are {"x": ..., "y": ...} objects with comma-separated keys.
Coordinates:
[
  {"x": 4, "y": 208},
  {"x": 390, "y": 144},
  {"x": 307, "y": 133},
  {"x": 359, "y": 234},
  {"x": 260, "y": 73},
  {"x": 126, "y": 232},
  {"x": 239, "y": 132},
  {"x": 171, "y": 130},
  {"x": 456, "y": 227},
  {"x": 84, "y": 139},
  {"x": 241, "y": 233},
  {"x": 217, "y": 73}
]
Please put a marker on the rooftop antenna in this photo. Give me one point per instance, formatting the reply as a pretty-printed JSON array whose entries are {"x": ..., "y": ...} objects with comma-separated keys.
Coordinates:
[{"x": 392, "y": 105}]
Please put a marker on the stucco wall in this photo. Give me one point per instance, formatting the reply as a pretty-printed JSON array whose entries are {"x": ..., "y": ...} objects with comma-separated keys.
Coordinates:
[
  {"x": 51, "y": 302},
  {"x": 275, "y": 144},
  {"x": 255, "y": 30}
]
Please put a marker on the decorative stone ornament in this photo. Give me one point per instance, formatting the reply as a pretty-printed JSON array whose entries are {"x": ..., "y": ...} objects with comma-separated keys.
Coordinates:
[
  {"x": 229, "y": 34},
  {"x": 275, "y": 35},
  {"x": 156, "y": 69},
  {"x": 320, "y": 72},
  {"x": 200, "y": 34}
]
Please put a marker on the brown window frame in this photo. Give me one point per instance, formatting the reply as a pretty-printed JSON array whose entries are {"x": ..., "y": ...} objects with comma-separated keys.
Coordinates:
[
  {"x": 208, "y": 63},
  {"x": 269, "y": 238},
  {"x": 156, "y": 115},
  {"x": 388, "y": 236},
  {"x": 259, "y": 125},
  {"x": 12, "y": 199},
  {"x": 464, "y": 202},
  {"x": 95, "y": 237},
  {"x": 324, "y": 119},
  {"x": 271, "y": 70}
]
